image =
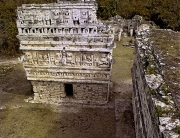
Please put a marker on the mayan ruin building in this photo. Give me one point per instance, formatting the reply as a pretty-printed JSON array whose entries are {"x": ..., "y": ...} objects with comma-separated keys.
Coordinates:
[
  {"x": 68, "y": 56},
  {"x": 67, "y": 51}
]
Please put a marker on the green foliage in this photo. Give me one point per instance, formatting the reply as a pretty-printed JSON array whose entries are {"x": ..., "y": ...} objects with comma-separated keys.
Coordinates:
[
  {"x": 176, "y": 115},
  {"x": 123, "y": 61},
  {"x": 151, "y": 69},
  {"x": 162, "y": 111},
  {"x": 166, "y": 111},
  {"x": 165, "y": 14},
  {"x": 9, "y": 44},
  {"x": 177, "y": 129},
  {"x": 106, "y": 8},
  {"x": 165, "y": 100},
  {"x": 166, "y": 89},
  {"x": 151, "y": 91}
]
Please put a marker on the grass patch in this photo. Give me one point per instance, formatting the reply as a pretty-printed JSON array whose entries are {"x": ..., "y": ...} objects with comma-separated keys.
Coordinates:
[
  {"x": 167, "y": 43},
  {"x": 25, "y": 120},
  {"x": 123, "y": 61},
  {"x": 38, "y": 121}
]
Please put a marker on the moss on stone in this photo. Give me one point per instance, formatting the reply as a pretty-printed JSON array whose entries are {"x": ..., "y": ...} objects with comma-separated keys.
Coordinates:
[
  {"x": 152, "y": 92},
  {"x": 177, "y": 129}
]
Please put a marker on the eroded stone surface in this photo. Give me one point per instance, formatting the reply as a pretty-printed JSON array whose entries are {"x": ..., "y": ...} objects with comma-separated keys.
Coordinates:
[
  {"x": 67, "y": 51},
  {"x": 154, "y": 81},
  {"x": 155, "y": 112}
]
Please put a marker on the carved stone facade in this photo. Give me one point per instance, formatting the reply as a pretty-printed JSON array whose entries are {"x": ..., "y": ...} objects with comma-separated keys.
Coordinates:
[
  {"x": 52, "y": 91},
  {"x": 129, "y": 27},
  {"x": 67, "y": 51}
]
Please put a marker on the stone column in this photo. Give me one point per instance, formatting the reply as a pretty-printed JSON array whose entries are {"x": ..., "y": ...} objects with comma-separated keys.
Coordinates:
[
  {"x": 119, "y": 34},
  {"x": 131, "y": 32}
]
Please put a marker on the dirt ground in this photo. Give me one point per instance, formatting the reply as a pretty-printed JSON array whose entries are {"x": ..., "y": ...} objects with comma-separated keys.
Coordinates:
[{"x": 19, "y": 119}]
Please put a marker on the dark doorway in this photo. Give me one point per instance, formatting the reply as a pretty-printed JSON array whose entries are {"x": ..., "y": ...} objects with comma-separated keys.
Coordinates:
[{"x": 68, "y": 89}]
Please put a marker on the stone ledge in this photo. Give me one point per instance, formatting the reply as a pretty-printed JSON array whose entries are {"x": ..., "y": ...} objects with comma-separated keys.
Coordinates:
[{"x": 152, "y": 96}]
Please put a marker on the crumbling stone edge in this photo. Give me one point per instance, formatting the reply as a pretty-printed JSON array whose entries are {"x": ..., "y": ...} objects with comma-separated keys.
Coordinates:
[{"x": 155, "y": 113}]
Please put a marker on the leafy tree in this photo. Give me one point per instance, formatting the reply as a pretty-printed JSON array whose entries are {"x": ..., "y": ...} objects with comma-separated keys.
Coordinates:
[
  {"x": 165, "y": 13},
  {"x": 9, "y": 44}
]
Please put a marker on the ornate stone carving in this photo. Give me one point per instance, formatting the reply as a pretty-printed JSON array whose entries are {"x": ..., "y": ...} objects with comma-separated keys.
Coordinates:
[
  {"x": 58, "y": 58},
  {"x": 104, "y": 61},
  {"x": 66, "y": 46},
  {"x": 63, "y": 74},
  {"x": 63, "y": 57}
]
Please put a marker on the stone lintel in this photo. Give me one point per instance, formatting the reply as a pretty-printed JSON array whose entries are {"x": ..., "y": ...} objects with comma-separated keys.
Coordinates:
[
  {"x": 69, "y": 75},
  {"x": 69, "y": 80},
  {"x": 73, "y": 49}
]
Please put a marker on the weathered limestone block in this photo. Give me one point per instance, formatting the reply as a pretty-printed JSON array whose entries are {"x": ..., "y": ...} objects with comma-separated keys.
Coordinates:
[
  {"x": 92, "y": 92},
  {"x": 46, "y": 91},
  {"x": 64, "y": 46}
]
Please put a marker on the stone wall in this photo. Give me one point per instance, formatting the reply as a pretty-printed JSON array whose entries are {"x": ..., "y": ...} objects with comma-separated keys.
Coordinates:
[
  {"x": 155, "y": 113},
  {"x": 144, "y": 108},
  {"x": 91, "y": 92},
  {"x": 54, "y": 92},
  {"x": 129, "y": 27}
]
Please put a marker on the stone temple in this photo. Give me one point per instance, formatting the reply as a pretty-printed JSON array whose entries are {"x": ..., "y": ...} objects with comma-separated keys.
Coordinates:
[{"x": 67, "y": 51}]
